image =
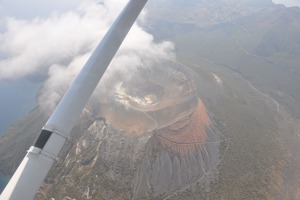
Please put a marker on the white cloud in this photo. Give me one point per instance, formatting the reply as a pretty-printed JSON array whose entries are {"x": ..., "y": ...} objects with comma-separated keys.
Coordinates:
[
  {"x": 57, "y": 47},
  {"x": 288, "y": 3},
  {"x": 31, "y": 46}
]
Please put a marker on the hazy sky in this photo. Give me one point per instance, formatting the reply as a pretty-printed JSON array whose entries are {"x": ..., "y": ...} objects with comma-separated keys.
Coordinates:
[{"x": 32, "y": 8}]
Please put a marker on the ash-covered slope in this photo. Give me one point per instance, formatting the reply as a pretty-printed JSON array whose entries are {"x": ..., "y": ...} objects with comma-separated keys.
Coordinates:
[
  {"x": 179, "y": 155},
  {"x": 106, "y": 164}
]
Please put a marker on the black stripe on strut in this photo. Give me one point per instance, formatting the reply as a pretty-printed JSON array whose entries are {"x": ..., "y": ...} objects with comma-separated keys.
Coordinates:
[{"x": 42, "y": 139}]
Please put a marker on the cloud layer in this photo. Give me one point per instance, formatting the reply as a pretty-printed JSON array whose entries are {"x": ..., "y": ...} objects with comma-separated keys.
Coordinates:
[
  {"x": 56, "y": 47},
  {"x": 288, "y": 3}
]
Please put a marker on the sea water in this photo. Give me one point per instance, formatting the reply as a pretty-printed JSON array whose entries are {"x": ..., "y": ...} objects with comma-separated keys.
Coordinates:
[
  {"x": 17, "y": 99},
  {"x": 3, "y": 181}
]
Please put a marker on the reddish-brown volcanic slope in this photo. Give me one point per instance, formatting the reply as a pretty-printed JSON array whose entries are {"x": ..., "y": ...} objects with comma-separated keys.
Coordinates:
[{"x": 188, "y": 132}]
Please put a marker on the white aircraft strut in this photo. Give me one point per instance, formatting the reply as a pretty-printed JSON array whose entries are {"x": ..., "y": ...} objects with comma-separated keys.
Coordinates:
[{"x": 39, "y": 158}]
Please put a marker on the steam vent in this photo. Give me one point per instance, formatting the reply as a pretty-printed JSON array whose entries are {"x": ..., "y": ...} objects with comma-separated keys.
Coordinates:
[{"x": 160, "y": 104}]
